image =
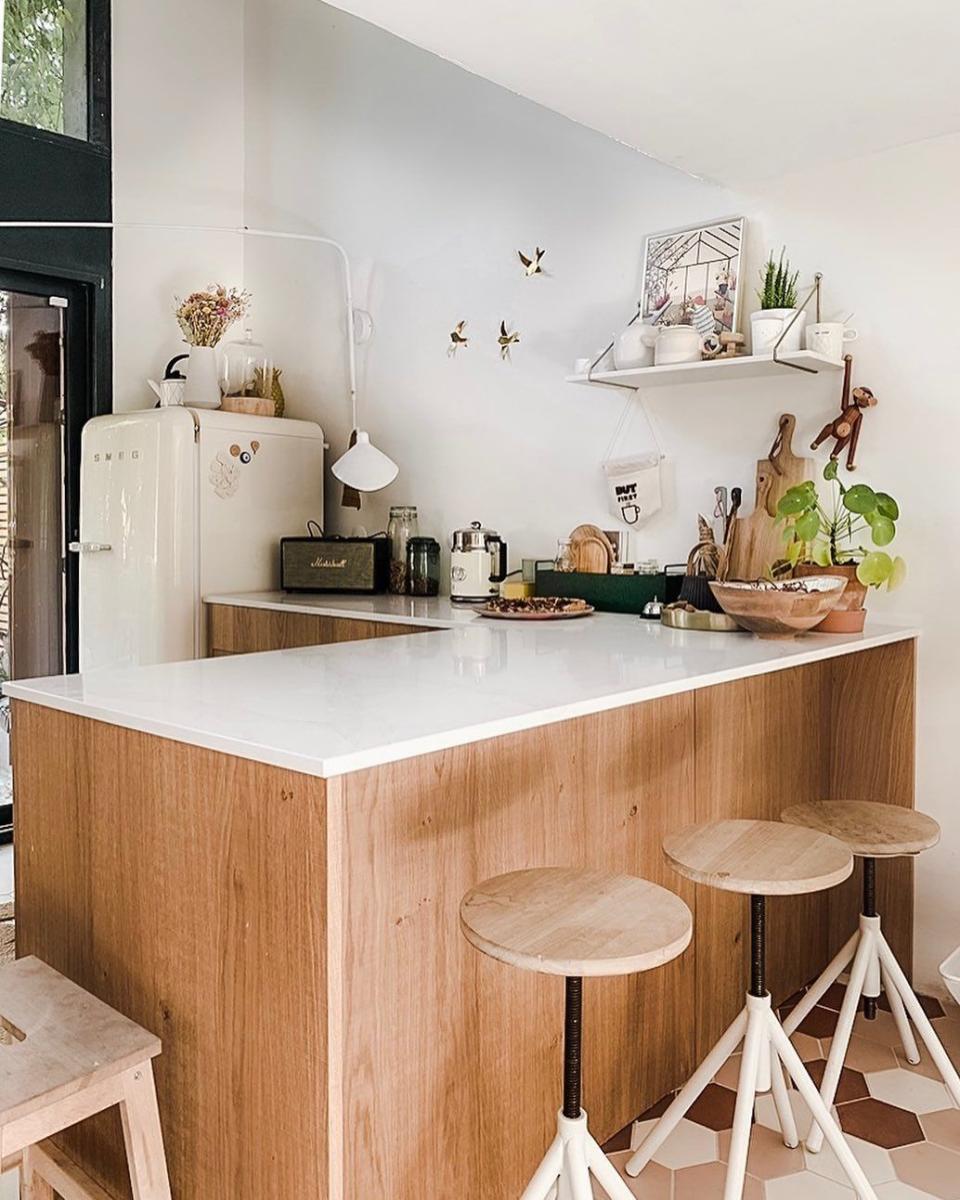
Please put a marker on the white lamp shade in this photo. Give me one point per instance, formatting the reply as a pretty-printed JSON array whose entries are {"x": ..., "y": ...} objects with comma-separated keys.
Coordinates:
[{"x": 364, "y": 467}]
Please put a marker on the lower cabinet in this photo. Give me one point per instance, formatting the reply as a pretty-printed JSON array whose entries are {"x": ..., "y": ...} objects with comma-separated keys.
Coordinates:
[{"x": 232, "y": 629}]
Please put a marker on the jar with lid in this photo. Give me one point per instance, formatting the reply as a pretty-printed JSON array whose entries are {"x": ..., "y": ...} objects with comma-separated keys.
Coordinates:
[
  {"x": 401, "y": 527},
  {"x": 565, "y": 560},
  {"x": 246, "y": 368},
  {"x": 423, "y": 566}
]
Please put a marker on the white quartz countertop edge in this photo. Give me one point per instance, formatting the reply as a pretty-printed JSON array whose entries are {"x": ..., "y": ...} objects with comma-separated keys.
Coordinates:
[{"x": 44, "y": 693}]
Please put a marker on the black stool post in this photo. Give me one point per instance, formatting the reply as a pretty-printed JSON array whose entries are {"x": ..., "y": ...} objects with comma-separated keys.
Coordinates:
[
  {"x": 758, "y": 946},
  {"x": 572, "y": 1044},
  {"x": 870, "y": 910}
]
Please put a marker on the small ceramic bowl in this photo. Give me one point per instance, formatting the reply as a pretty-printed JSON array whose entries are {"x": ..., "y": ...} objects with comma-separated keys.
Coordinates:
[{"x": 779, "y": 610}]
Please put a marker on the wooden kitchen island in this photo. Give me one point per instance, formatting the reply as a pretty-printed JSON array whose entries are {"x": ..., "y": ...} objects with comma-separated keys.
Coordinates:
[{"x": 259, "y": 857}]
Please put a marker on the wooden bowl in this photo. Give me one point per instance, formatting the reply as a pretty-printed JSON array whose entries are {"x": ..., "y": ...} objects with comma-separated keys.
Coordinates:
[{"x": 779, "y": 610}]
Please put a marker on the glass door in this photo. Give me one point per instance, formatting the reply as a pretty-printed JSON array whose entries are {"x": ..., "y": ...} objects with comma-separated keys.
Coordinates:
[{"x": 32, "y": 600}]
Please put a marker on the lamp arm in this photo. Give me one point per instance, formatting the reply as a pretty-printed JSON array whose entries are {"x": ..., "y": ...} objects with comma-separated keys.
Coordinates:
[{"x": 243, "y": 231}]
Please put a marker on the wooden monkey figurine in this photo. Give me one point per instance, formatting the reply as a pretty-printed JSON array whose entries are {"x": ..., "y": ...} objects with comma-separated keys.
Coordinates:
[{"x": 846, "y": 427}]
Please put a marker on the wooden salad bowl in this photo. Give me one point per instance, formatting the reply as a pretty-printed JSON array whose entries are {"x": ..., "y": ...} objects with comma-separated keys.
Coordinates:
[{"x": 779, "y": 610}]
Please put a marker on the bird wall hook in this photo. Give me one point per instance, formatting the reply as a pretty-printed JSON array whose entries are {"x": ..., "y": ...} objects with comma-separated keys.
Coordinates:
[
  {"x": 457, "y": 339},
  {"x": 531, "y": 266},
  {"x": 506, "y": 340}
]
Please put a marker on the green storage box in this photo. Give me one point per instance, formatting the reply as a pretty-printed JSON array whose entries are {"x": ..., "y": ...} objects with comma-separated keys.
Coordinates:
[{"x": 609, "y": 593}]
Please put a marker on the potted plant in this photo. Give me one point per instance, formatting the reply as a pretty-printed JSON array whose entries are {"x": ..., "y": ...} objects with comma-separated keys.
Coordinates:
[
  {"x": 778, "y": 306},
  {"x": 827, "y": 539}
]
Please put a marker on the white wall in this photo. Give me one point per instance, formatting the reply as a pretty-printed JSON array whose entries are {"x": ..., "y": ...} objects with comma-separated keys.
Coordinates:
[
  {"x": 178, "y": 159},
  {"x": 879, "y": 229}
]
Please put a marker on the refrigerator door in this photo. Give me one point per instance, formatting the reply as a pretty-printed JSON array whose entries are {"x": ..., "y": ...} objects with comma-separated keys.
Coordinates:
[
  {"x": 138, "y": 539},
  {"x": 261, "y": 479}
]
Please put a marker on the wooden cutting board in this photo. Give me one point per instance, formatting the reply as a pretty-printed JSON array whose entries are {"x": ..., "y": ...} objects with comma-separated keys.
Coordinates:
[
  {"x": 592, "y": 549},
  {"x": 782, "y": 465}
]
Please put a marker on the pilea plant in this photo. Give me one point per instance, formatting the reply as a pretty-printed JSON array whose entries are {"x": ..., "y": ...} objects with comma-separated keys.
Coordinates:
[
  {"x": 831, "y": 534},
  {"x": 778, "y": 285}
]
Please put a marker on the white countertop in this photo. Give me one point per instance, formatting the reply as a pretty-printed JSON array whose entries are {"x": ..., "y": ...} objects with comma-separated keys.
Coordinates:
[
  {"x": 329, "y": 710},
  {"x": 438, "y": 611}
]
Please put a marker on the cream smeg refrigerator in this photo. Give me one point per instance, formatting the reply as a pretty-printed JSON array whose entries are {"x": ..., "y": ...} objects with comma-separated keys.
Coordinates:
[{"x": 176, "y": 504}]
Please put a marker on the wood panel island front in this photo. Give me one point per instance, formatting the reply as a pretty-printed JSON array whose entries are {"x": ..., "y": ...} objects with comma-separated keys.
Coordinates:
[{"x": 260, "y": 856}]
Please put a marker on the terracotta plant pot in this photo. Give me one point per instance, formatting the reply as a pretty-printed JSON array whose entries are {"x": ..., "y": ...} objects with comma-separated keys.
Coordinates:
[{"x": 849, "y": 615}]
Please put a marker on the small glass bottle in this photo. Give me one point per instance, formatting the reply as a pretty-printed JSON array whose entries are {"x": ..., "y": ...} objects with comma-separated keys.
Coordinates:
[
  {"x": 401, "y": 527},
  {"x": 565, "y": 560},
  {"x": 423, "y": 566}
]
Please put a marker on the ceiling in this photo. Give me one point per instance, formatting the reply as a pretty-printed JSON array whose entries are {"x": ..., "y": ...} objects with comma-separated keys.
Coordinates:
[{"x": 733, "y": 92}]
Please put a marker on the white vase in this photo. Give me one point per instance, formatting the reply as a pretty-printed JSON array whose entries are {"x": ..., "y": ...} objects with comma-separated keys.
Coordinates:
[
  {"x": 202, "y": 388},
  {"x": 768, "y": 324}
]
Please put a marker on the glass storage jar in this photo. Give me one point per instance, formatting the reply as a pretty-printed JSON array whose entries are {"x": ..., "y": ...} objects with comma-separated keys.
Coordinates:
[
  {"x": 246, "y": 368},
  {"x": 423, "y": 566},
  {"x": 401, "y": 527}
]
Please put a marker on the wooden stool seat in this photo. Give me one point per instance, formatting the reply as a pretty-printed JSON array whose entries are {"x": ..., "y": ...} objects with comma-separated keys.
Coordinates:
[
  {"x": 65, "y": 1056},
  {"x": 560, "y": 921},
  {"x": 871, "y": 830},
  {"x": 759, "y": 858}
]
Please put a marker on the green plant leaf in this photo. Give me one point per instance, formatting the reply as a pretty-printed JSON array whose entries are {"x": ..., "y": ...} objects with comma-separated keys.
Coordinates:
[
  {"x": 830, "y": 470},
  {"x": 887, "y": 506},
  {"x": 897, "y": 575},
  {"x": 794, "y": 500},
  {"x": 808, "y": 525},
  {"x": 876, "y": 568},
  {"x": 861, "y": 498},
  {"x": 821, "y": 554},
  {"x": 882, "y": 529}
]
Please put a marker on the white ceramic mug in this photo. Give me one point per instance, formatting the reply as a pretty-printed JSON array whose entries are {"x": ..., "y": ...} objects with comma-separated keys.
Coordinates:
[
  {"x": 634, "y": 347},
  {"x": 828, "y": 338}
]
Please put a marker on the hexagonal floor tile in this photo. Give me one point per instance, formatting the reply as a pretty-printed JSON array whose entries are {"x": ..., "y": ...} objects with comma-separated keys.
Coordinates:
[
  {"x": 689, "y": 1145},
  {"x": 653, "y": 1183},
  {"x": 908, "y": 1090},
  {"x": 765, "y": 1112},
  {"x": 694, "y": 1183},
  {"x": 852, "y": 1085},
  {"x": 880, "y": 1123},
  {"x": 925, "y": 1066},
  {"x": 901, "y": 1191},
  {"x": 768, "y": 1157},
  {"x": 729, "y": 1073},
  {"x": 864, "y": 1055},
  {"x": 931, "y": 1006},
  {"x": 806, "y": 1186},
  {"x": 819, "y": 1023},
  {"x": 876, "y": 1162},
  {"x": 929, "y": 1168},
  {"x": 882, "y": 1030},
  {"x": 943, "y": 1128},
  {"x": 714, "y": 1107}
]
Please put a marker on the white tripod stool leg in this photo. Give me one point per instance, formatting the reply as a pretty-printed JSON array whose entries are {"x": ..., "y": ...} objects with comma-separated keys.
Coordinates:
[
  {"x": 815, "y": 993},
  {"x": 543, "y": 1185},
  {"x": 606, "y": 1173},
  {"x": 841, "y": 1037},
  {"x": 922, "y": 1022},
  {"x": 821, "y": 1114},
  {"x": 900, "y": 1018},
  {"x": 788, "y": 1123},
  {"x": 575, "y": 1169},
  {"x": 687, "y": 1094},
  {"x": 755, "y": 1044}
]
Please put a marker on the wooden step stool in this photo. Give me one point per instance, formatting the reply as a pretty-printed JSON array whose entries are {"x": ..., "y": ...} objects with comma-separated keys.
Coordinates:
[{"x": 64, "y": 1056}]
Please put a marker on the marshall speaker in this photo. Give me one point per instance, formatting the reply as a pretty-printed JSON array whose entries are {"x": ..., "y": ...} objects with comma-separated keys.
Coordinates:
[{"x": 334, "y": 564}]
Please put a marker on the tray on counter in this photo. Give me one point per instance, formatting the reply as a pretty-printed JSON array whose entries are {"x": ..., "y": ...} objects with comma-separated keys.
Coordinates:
[{"x": 609, "y": 593}]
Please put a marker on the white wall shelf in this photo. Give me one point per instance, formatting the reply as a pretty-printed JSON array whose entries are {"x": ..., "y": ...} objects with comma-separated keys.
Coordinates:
[{"x": 711, "y": 370}]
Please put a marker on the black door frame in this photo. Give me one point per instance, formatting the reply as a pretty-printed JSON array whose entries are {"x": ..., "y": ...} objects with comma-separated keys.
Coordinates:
[{"x": 83, "y": 399}]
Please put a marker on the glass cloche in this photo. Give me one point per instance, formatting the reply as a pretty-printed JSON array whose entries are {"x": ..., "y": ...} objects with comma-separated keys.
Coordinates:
[{"x": 246, "y": 368}]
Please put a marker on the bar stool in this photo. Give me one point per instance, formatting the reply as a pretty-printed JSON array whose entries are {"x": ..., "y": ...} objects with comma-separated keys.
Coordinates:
[
  {"x": 64, "y": 1056},
  {"x": 755, "y": 859},
  {"x": 559, "y": 921},
  {"x": 871, "y": 831}
]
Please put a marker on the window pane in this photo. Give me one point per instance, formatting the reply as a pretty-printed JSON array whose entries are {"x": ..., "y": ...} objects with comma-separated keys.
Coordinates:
[{"x": 43, "y": 69}]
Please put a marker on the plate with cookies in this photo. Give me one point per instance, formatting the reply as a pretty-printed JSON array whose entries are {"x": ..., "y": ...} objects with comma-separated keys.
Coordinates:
[{"x": 536, "y": 608}]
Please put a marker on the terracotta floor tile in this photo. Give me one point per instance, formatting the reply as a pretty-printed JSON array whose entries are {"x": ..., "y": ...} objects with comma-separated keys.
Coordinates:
[
  {"x": 819, "y": 1023},
  {"x": 729, "y": 1073},
  {"x": 929, "y": 1168},
  {"x": 653, "y": 1183},
  {"x": 880, "y": 1123},
  {"x": 901, "y": 1191},
  {"x": 924, "y": 1067},
  {"x": 714, "y": 1107},
  {"x": 852, "y": 1085},
  {"x": 697, "y": 1183},
  {"x": 807, "y": 1047},
  {"x": 942, "y": 1128},
  {"x": 876, "y": 1162},
  {"x": 882, "y": 1030},
  {"x": 864, "y": 1055},
  {"x": 619, "y": 1141},
  {"x": 833, "y": 997},
  {"x": 768, "y": 1157},
  {"x": 930, "y": 1005},
  {"x": 658, "y": 1109},
  {"x": 908, "y": 1090},
  {"x": 688, "y": 1146},
  {"x": 807, "y": 1186}
]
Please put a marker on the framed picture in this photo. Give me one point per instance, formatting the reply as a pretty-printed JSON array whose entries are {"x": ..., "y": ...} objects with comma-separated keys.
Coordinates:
[{"x": 691, "y": 276}]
